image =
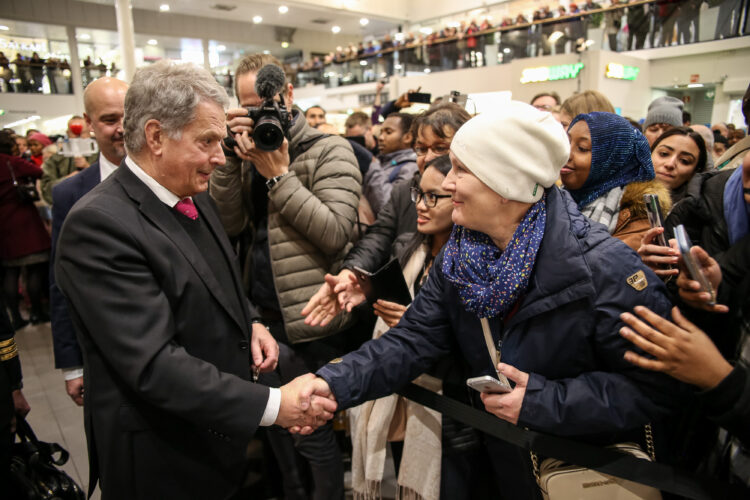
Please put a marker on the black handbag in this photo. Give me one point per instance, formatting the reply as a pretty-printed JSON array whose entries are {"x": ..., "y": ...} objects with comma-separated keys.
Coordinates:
[
  {"x": 26, "y": 189},
  {"x": 33, "y": 471}
]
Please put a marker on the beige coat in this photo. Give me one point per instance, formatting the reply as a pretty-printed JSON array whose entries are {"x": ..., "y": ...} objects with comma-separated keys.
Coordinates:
[{"x": 312, "y": 214}]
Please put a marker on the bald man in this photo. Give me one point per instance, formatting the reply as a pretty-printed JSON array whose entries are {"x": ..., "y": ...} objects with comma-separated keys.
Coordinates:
[{"x": 104, "y": 101}]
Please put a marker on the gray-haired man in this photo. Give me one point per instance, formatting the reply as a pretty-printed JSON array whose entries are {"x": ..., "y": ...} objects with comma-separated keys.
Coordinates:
[{"x": 167, "y": 336}]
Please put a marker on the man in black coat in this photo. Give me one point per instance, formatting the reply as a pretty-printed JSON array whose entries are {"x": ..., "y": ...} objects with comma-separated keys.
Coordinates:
[
  {"x": 104, "y": 102},
  {"x": 169, "y": 341}
]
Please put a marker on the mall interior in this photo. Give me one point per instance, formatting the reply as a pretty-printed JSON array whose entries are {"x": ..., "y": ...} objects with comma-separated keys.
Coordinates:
[{"x": 350, "y": 57}]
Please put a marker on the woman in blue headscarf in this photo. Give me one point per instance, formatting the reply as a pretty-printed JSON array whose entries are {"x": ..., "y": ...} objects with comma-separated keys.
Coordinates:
[{"x": 608, "y": 172}]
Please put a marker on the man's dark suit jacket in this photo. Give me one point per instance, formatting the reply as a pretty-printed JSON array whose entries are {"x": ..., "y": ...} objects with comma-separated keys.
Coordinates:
[
  {"x": 64, "y": 196},
  {"x": 168, "y": 407}
]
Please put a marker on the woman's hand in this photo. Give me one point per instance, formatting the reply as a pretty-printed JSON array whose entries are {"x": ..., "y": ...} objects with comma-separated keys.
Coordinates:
[
  {"x": 682, "y": 350},
  {"x": 658, "y": 257},
  {"x": 507, "y": 406},
  {"x": 690, "y": 290},
  {"x": 390, "y": 312}
]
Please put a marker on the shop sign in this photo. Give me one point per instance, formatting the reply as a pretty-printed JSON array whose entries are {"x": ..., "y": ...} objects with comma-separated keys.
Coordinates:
[
  {"x": 25, "y": 46},
  {"x": 549, "y": 73},
  {"x": 622, "y": 72}
]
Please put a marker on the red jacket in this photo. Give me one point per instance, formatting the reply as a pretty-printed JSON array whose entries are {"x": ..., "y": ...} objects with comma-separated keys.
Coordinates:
[{"x": 22, "y": 231}]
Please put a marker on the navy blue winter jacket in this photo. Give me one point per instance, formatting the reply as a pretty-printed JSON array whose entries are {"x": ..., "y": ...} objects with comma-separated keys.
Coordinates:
[{"x": 565, "y": 334}]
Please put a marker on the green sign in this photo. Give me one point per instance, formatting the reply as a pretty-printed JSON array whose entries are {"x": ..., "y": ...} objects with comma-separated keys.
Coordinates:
[
  {"x": 622, "y": 72},
  {"x": 549, "y": 73}
]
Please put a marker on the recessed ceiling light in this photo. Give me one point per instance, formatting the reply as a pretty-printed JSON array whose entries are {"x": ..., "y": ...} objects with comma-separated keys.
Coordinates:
[
  {"x": 4, "y": 28},
  {"x": 364, "y": 21},
  {"x": 427, "y": 70},
  {"x": 152, "y": 42},
  {"x": 335, "y": 29},
  {"x": 84, "y": 36},
  {"x": 283, "y": 9},
  {"x": 221, "y": 48},
  {"x": 363, "y": 63},
  {"x": 266, "y": 52},
  {"x": 257, "y": 19},
  {"x": 164, "y": 7},
  {"x": 426, "y": 31},
  {"x": 284, "y": 45}
]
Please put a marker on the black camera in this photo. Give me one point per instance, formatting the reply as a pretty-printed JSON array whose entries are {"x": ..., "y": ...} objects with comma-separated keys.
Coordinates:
[{"x": 270, "y": 124}]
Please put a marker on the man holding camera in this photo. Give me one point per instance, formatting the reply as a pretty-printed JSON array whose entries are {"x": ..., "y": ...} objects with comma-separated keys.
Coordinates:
[{"x": 298, "y": 204}]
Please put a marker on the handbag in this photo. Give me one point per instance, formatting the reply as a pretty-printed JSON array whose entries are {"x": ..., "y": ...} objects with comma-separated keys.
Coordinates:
[
  {"x": 26, "y": 190},
  {"x": 562, "y": 481},
  {"x": 33, "y": 469}
]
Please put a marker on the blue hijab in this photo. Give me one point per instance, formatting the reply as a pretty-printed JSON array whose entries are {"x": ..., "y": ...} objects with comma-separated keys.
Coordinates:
[
  {"x": 619, "y": 155},
  {"x": 736, "y": 211}
]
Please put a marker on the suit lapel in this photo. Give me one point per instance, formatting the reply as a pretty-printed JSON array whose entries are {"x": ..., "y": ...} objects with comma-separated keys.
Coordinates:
[
  {"x": 158, "y": 213},
  {"x": 90, "y": 177}
]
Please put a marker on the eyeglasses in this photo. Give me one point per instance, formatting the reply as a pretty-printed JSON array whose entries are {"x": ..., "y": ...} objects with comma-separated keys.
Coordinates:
[
  {"x": 437, "y": 150},
  {"x": 543, "y": 107},
  {"x": 430, "y": 199}
]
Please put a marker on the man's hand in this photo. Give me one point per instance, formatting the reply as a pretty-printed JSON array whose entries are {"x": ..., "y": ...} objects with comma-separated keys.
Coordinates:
[
  {"x": 268, "y": 163},
  {"x": 403, "y": 100},
  {"x": 689, "y": 289},
  {"x": 74, "y": 388},
  {"x": 390, "y": 312},
  {"x": 306, "y": 404},
  {"x": 264, "y": 349},
  {"x": 658, "y": 257},
  {"x": 340, "y": 292},
  {"x": 21, "y": 406},
  {"x": 507, "y": 406},
  {"x": 681, "y": 349},
  {"x": 80, "y": 162}
]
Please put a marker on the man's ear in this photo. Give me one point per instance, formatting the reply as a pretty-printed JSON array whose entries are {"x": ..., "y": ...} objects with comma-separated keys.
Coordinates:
[
  {"x": 154, "y": 136},
  {"x": 87, "y": 118},
  {"x": 289, "y": 96},
  {"x": 408, "y": 140}
]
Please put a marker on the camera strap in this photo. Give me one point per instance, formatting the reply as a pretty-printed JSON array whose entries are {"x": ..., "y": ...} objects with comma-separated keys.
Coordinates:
[{"x": 604, "y": 460}]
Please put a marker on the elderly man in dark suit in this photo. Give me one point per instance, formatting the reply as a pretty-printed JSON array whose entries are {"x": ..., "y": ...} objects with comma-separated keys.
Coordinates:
[
  {"x": 169, "y": 341},
  {"x": 104, "y": 100}
]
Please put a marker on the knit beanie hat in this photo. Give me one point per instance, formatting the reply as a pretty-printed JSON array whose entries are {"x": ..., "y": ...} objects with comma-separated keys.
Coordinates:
[
  {"x": 664, "y": 109},
  {"x": 38, "y": 136},
  {"x": 516, "y": 150},
  {"x": 620, "y": 154}
]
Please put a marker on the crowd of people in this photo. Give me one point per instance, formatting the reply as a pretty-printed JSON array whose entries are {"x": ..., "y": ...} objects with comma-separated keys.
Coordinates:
[
  {"x": 27, "y": 74},
  {"x": 544, "y": 31},
  {"x": 211, "y": 278}
]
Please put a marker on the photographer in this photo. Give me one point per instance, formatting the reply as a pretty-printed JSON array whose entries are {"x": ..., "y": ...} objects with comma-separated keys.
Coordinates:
[{"x": 299, "y": 205}]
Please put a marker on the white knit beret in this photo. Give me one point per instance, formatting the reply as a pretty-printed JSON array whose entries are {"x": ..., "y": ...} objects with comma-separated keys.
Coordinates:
[{"x": 516, "y": 150}]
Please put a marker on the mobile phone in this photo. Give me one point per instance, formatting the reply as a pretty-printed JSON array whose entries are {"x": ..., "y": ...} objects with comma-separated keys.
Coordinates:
[
  {"x": 655, "y": 217},
  {"x": 683, "y": 243},
  {"x": 485, "y": 383},
  {"x": 420, "y": 97}
]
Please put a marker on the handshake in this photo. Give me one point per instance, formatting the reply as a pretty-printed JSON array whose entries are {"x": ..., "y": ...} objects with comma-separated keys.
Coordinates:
[{"x": 306, "y": 403}]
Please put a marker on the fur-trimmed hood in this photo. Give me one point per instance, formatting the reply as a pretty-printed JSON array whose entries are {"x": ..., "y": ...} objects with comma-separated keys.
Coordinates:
[{"x": 632, "y": 197}]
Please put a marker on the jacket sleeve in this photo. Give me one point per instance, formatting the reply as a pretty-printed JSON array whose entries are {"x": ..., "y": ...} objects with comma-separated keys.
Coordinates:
[
  {"x": 728, "y": 404},
  {"x": 65, "y": 345},
  {"x": 9, "y": 360},
  {"x": 50, "y": 177},
  {"x": 618, "y": 396},
  {"x": 327, "y": 212},
  {"x": 25, "y": 168},
  {"x": 226, "y": 191},
  {"x": 376, "y": 187},
  {"x": 119, "y": 304},
  {"x": 373, "y": 250},
  {"x": 384, "y": 365}
]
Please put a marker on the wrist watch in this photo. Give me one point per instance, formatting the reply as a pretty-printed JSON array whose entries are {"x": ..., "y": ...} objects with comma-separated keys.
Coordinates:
[{"x": 274, "y": 180}]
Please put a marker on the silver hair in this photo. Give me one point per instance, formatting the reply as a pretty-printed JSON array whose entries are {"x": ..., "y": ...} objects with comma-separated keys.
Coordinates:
[{"x": 167, "y": 92}]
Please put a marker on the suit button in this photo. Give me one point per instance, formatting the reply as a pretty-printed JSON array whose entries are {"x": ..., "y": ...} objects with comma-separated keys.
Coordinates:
[{"x": 244, "y": 344}]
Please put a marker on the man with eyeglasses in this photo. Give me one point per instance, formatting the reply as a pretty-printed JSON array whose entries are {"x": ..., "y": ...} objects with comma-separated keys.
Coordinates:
[{"x": 546, "y": 101}]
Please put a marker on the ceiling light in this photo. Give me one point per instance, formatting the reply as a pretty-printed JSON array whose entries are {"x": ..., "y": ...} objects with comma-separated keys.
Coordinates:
[
  {"x": 284, "y": 45},
  {"x": 283, "y": 9},
  {"x": 257, "y": 19},
  {"x": 695, "y": 85},
  {"x": 152, "y": 42},
  {"x": 426, "y": 31},
  {"x": 221, "y": 48},
  {"x": 364, "y": 21},
  {"x": 164, "y": 7},
  {"x": 3, "y": 27},
  {"x": 266, "y": 52},
  {"x": 363, "y": 63},
  {"x": 335, "y": 29},
  {"x": 506, "y": 50},
  {"x": 84, "y": 36}
]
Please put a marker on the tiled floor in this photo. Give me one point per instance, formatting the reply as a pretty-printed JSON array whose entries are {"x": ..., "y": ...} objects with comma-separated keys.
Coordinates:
[{"x": 54, "y": 417}]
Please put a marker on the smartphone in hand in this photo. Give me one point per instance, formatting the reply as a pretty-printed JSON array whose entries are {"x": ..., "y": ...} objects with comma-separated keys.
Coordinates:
[
  {"x": 683, "y": 243},
  {"x": 485, "y": 383},
  {"x": 655, "y": 216}
]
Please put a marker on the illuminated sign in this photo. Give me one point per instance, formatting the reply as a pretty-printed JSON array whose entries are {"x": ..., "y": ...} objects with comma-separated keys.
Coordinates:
[
  {"x": 548, "y": 73},
  {"x": 621, "y": 72}
]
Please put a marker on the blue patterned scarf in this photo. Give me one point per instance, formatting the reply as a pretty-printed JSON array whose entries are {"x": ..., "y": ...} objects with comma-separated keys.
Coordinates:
[
  {"x": 736, "y": 211},
  {"x": 490, "y": 284},
  {"x": 619, "y": 155}
]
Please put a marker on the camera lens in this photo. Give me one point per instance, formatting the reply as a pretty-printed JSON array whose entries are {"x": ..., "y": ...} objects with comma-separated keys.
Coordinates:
[{"x": 268, "y": 134}]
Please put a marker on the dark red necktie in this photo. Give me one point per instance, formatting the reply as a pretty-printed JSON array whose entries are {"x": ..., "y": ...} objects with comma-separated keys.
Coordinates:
[{"x": 187, "y": 208}]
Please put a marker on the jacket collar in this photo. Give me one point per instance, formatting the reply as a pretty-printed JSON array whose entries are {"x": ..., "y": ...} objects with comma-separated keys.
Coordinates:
[
  {"x": 561, "y": 274},
  {"x": 89, "y": 177},
  {"x": 157, "y": 213},
  {"x": 396, "y": 157}
]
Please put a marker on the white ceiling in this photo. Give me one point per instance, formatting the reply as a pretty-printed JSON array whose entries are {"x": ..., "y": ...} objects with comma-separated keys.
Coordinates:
[{"x": 300, "y": 15}]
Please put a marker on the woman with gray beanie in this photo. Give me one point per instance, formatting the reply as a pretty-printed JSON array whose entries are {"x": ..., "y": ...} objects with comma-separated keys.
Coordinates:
[
  {"x": 527, "y": 275},
  {"x": 663, "y": 113}
]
